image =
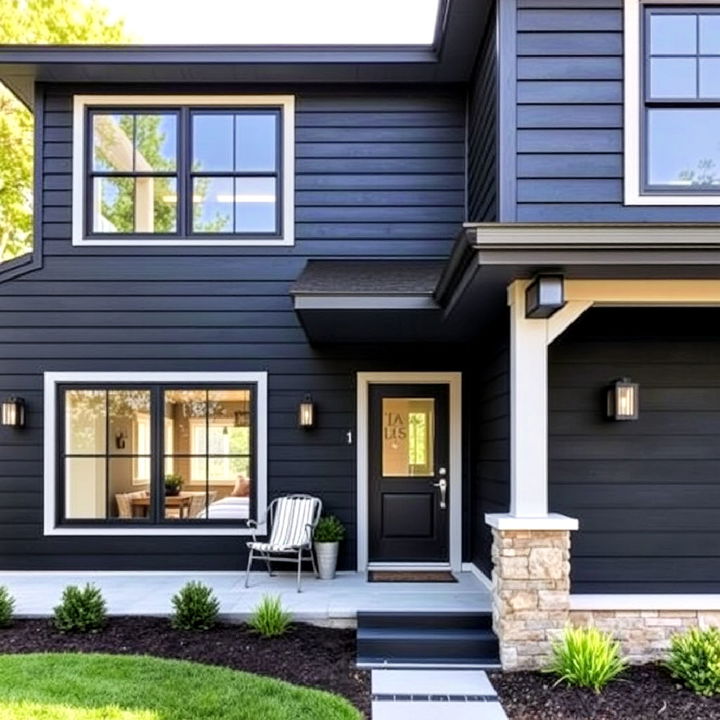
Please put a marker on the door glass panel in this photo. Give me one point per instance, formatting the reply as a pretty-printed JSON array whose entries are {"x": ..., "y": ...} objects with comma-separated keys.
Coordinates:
[{"x": 408, "y": 440}]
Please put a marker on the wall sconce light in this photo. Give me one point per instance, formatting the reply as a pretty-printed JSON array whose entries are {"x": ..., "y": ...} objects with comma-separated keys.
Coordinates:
[
  {"x": 544, "y": 296},
  {"x": 13, "y": 412},
  {"x": 306, "y": 413},
  {"x": 623, "y": 400}
]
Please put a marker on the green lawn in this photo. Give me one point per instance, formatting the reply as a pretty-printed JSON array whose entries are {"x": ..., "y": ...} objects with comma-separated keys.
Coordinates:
[{"x": 111, "y": 687}]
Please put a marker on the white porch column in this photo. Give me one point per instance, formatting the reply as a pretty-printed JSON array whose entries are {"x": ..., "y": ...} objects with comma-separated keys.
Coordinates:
[{"x": 528, "y": 409}]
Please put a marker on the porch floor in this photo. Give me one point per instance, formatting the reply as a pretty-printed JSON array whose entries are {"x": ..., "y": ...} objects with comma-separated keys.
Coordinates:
[{"x": 333, "y": 601}]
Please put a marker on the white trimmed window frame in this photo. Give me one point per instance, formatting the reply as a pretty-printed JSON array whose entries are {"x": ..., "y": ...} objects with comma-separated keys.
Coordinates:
[
  {"x": 79, "y": 179},
  {"x": 634, "y": 148},
  {"x": 53, "y": 379}
]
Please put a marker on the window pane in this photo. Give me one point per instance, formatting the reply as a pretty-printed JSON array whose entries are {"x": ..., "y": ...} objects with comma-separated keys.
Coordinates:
[
  {"x": 155, "y": 142},
  {"x": 710, "y": 78},
  {"x": 255, "y": 142},
  {"x": 155, "y": 205},
  {"x": 129, "y": 422},
  {"x": 85, "y": 422},
  {"x": 673, "y": 34},
  {"x": 710, "y": 34},
  {"x": 213, "y": 205},
  {"x": 112, "y": 142},
  {"x": 85, "y": 495},
  {"x": 129, "y": 495},
  {"x": 673, "y": 78},
  {"x": 255, "y": 205},
  {"x": 230, "y": 415},
  {"x": 684, "y": 147},
  {"x": 113, "y": 205},
  {"x": 184, "y": 410},
  {"x": 408, "y": 438},
  {"x": 212, "y": 138}
]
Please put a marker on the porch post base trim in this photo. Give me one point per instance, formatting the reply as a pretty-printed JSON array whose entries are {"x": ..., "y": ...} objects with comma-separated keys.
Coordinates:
[{"x": 551, "y": 521}]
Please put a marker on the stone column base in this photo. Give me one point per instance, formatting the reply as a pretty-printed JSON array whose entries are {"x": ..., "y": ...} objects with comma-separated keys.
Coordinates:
[{"x": 531, "y": 593}]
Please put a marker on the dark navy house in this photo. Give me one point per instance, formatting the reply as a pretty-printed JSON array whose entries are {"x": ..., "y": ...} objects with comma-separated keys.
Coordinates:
[{"x": 492, "y": 265}]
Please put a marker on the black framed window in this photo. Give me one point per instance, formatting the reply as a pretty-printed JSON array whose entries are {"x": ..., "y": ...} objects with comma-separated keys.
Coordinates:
[
  {"x": 184, "y": 171},
  {"x": 681, "y": 94},
  {"x": 156, "y": 454}
]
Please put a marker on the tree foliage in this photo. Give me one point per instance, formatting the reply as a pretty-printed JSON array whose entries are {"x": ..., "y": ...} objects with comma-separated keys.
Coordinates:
[{"x": 36, "y": 22}]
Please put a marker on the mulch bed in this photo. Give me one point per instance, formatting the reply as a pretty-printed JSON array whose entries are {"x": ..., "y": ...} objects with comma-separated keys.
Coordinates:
[
  {"x": 643, "y": 693},
  {"x": 322, "y": 658}
]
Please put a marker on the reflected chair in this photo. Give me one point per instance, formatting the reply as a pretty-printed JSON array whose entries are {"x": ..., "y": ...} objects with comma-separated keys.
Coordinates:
[
  {"x": 292, "y": 520},
  {"x": 124, "y": 502}
]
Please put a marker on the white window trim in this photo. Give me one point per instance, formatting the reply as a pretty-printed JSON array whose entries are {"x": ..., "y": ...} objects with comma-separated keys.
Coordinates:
[
  {"x": 286, "y": 102},
  {"x": 51, "y": 381},
  {"x": 633, "y": 148}
]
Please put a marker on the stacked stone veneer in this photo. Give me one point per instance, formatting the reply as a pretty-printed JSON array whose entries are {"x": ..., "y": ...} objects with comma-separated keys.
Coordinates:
[
  {"x": 531, "y": 593},
  {"x": 531, "y": 604},
  {"x": 644, "y": 634}
]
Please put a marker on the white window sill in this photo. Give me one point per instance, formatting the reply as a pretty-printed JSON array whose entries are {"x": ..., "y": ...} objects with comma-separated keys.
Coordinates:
[
  {"x": 183, "y": 242},
  {"x": 155, "y": 531}
]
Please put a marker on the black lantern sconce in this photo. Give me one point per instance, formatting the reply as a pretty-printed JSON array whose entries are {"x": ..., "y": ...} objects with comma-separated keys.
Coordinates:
[
  {"x": 623, "y": 400},
  {"x": 306, "y": 413},
  {"x": 13, "y": 412},
  {"x": 544, "y": 296}
]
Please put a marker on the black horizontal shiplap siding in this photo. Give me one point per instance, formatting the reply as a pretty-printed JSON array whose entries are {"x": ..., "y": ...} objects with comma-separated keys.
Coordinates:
[
  {"x": 489, "y": 445},
  {"x": 482, "y": 130},
  {"x": 380, "y": 172},
  {"x": 646, "y": 492},
  {"x": 569, "y": 115}
]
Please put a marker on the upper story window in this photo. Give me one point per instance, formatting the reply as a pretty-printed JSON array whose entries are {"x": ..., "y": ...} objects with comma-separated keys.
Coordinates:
[
  {"x": 672, "y": 104},
  {"x": 210, "y": 170}
]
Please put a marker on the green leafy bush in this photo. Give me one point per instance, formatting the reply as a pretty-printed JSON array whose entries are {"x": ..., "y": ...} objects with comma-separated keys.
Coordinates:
[
  {"x": 270, "y": 618},
  {"x": 196, "y": 607},
  {"x": 329, "y": 529},
  {"x": 695, "y": 660},
  {"x": 586, "y": 657},
  {"x": 7, "y": 607},
  {"x": 81, "y": 610}
]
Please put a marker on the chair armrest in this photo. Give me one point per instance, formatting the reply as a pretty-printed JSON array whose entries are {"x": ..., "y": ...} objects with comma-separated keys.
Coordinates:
[
  {"x": 253, "y": 525},
  {"x": 309, "y": 528}
]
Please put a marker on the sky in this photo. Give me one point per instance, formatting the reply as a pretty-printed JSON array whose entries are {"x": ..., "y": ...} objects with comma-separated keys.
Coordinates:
[{"x": 250, "y": 22}]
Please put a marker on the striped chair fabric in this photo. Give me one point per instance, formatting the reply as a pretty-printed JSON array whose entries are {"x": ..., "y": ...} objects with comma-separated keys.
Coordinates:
[{"x": 294, "y": 516}]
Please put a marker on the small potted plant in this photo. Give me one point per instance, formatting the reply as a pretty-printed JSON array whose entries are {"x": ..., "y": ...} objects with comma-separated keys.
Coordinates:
[
  {"x": 328, "y": 534},
  {"x": 173, "y": 484}
]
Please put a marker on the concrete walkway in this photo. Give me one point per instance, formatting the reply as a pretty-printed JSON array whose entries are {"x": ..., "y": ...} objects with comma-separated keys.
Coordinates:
[
  {"x": 434, "y": 694},
  {"x": 333, "y": 601}
]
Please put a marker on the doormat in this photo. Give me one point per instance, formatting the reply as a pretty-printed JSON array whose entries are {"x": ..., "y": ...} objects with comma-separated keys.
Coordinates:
[{"x": 411, "y": 576}]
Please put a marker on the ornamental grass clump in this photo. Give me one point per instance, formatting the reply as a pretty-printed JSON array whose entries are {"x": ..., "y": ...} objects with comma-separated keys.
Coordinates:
[
  {"x": 269, "y": 618},
  {"x": 81, "y": 610},
  {"x": 196, "y": 608},
  {"x": 695, "y": 660},
  {"x": 7, "y": 607},
  {"x": 586, "y": 657}
]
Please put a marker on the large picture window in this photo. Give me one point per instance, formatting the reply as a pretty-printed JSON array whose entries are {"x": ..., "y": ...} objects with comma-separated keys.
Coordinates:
[
  {"x": 177, "y": 170},
  {"x": 157, "y": 454},
  {"x": 672, "y": 103}
]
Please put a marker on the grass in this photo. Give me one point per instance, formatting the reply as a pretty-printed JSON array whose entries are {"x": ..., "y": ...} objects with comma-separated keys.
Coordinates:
[{"x": 68, "y": 686}]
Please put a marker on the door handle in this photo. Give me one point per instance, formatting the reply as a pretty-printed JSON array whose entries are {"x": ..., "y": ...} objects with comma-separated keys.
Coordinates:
[{"x": 442, "y": 484}]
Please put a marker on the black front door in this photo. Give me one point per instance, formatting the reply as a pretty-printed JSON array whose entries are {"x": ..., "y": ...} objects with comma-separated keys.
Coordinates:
[{"x": 409, "y": 473}]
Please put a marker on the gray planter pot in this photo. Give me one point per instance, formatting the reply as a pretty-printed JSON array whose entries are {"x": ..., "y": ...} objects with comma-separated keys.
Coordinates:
[{"x": 326, "y": 555}]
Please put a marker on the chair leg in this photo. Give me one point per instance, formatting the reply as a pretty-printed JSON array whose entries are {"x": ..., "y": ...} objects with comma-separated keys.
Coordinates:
[
  {"x": 299, "y": 572},
  {"x": 312, "y": 557},
  {"x": 267, "y": 565},
  {"x": 247, "y": 573}
]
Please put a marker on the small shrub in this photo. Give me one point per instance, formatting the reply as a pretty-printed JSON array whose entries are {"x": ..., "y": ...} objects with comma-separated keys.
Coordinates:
[
  {"x": 695, "y": 660},
  {"x": 586, "y": 657},
  {"x": 270, "y": 618},
  {"x": 80, "y": 610},
  {"x": 7, "y": 607},
  {"x": 196, "y": 607},
  {"x": 329, "y": 529}
]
